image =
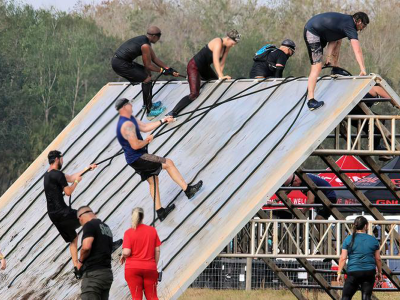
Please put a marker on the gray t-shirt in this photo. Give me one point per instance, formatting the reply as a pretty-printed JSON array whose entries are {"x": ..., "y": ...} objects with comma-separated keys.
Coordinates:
[{"x": 332, "y": 26}]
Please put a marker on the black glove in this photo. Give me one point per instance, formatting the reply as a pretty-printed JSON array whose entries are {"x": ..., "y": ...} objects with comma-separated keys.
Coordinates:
[{"x": 169, "y": 71}]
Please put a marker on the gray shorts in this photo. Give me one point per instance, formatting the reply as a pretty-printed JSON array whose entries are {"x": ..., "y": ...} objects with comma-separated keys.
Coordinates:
[
  {"x": 96, "y": 284},
  {"x": 314, "y": 46}
]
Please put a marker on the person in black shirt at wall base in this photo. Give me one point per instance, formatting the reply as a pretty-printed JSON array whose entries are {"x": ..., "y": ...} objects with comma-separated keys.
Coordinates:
[
  {"x": 322, "y": 212},
  {"x": 272, "y": 62},
  {"x": 331, "y": 27},
  {"x": 61, "y": 215},
  {"x": 123, "y": 64},
  {"x": 95, "y": 257}
]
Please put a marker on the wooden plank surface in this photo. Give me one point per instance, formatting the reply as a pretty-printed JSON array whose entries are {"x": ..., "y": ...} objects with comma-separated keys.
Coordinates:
[{"x": 217, "y": 148}]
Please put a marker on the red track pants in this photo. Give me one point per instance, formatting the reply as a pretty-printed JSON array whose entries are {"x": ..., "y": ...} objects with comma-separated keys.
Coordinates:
[{"x": 141, "y": 279}]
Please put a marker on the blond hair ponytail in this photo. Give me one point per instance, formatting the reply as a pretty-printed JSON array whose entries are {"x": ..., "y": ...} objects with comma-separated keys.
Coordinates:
[{"x": 137, "y": 216}]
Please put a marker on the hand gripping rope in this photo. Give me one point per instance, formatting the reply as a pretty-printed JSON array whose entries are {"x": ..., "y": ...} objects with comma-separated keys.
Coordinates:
[
  {"x": 207, "y": 109},
  {"x": 110, "y": 158}
]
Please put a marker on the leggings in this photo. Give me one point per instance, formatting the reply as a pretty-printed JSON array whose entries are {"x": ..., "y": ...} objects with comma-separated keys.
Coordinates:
[
  {"x": 194, "y": 77},
  {"x": 363, "y": 279},
  {"x": 141, "y": 279}
]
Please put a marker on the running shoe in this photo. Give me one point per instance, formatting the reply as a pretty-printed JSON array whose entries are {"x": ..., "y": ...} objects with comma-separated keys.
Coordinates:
[
  {"x": 155, "y": 112},
  {"x": 162, "y": 213},
  {"x": 193, "y": 189},
  {"x": 156, "y": 105},
  {"x": 314, "y": 104}
]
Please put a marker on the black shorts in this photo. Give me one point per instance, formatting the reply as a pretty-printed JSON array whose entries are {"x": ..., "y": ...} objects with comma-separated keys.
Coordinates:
[
  {"x": 314, "y": 46},
  {"x": 148, "y": 165},
  {"x": 323, "y": 211},
  {"x": 133, "y": 72},
  {"x": 66, "y": 225},
  {"x": 261, "y": 70}
]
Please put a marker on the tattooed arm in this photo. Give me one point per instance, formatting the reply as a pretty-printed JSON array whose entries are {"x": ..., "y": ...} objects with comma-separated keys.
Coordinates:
[{"x": 128, "y": 131}]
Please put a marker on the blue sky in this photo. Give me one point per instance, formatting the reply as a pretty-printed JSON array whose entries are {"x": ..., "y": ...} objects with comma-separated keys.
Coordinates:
[{"x": 65, "y": 5}]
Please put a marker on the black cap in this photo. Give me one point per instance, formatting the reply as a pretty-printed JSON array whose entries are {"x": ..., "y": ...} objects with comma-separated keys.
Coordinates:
[
  {"x": 290, "y": 44},
  {"x": 120, "y": 103}
]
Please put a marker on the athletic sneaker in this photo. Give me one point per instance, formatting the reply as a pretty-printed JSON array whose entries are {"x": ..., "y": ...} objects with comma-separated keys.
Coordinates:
[
  {"x": 193, "y": 189},
  {"x": 155, "y": 112},
  {"x": 162, "y": 213},
  {"x": 314, "y": 104},
  {"x": 156, "y": 105},
  {"x": 116, "y": 245},
  {"x": 172, "y": 114}
]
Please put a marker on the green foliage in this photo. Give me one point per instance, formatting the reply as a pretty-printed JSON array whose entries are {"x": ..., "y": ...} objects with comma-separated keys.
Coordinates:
[{"x": 52, "y": 64}]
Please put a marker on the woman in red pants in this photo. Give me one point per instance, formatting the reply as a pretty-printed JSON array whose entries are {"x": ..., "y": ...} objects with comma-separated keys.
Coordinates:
[
  {"x": 140, "y": 253},
  {"x": 199, "y": 67}
]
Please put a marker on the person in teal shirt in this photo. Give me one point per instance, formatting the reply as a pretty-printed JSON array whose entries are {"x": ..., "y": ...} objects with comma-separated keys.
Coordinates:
[{"x": 363, "y": 253}]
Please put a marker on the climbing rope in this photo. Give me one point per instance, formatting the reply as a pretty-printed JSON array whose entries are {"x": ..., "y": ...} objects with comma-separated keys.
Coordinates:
[
  {"x": 303, "y": 100},
  {"x": 101, "y": 205},
  {"x": 107, "y": 159},
  {"x": 209, "y": 108}
]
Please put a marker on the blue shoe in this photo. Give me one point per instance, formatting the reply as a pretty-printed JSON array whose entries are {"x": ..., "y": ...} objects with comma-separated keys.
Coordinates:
[
  {"x": 156, "y": 105},
  {"x": 314, "y": 104},
  {"x": 155, "y": 112}
]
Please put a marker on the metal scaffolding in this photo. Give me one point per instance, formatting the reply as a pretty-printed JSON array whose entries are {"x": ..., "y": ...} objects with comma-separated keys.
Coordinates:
[{"x": 303, "y": 239}]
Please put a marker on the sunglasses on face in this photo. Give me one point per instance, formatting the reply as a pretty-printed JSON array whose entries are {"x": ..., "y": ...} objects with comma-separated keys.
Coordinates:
[{"x": 156, "y": 34}]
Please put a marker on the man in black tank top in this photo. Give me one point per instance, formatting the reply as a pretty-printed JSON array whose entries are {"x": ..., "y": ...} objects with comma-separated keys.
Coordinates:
[
  {"x": 123, "y": 64},
  {"x": 199, "y": 67},
  {"x": 274, "y": 62}
]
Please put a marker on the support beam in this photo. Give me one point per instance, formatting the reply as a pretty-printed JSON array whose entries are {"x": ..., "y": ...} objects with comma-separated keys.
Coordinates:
[
  {"x": 331, "y": 163},
  {"x": 304, "y": 262},
  {"x": 278, "y": 272},
  {"x": 249, "y": 271},
  {"x": 382, "y": 176}
]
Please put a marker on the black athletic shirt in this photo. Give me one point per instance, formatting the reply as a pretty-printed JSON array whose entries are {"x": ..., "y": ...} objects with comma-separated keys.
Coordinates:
[
  {"x": 330, "y": 194},
  {"x": 332, "y": 26},
  {"x": 100, "y": 254},
  {"x": 204, "y": 58},
  {"x": 132, "y": 48},
  {"x": 267, "y": 68},
  {"x": 54, "y": 184}
]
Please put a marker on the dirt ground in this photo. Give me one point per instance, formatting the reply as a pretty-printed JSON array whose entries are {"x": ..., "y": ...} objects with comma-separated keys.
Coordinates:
[{"x": 206, "y": 294}]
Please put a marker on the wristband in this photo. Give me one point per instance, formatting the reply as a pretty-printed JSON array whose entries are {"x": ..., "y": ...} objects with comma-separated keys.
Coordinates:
[
  {"x": 161, "y": 122},
  {"x": 161, "y": 70},
  {"x": 80, "y": 261},
  {"x": 1, "y": 257},
  {"x": 339, "y": 273},
  {"x": 76, "y": 181}
]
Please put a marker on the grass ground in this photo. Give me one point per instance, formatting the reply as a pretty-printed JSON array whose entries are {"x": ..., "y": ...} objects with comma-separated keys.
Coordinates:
[{"x": 206, "y": 294}]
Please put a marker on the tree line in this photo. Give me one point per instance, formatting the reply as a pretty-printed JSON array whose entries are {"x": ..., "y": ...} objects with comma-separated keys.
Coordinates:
[{"x": 52, "y": 63}]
